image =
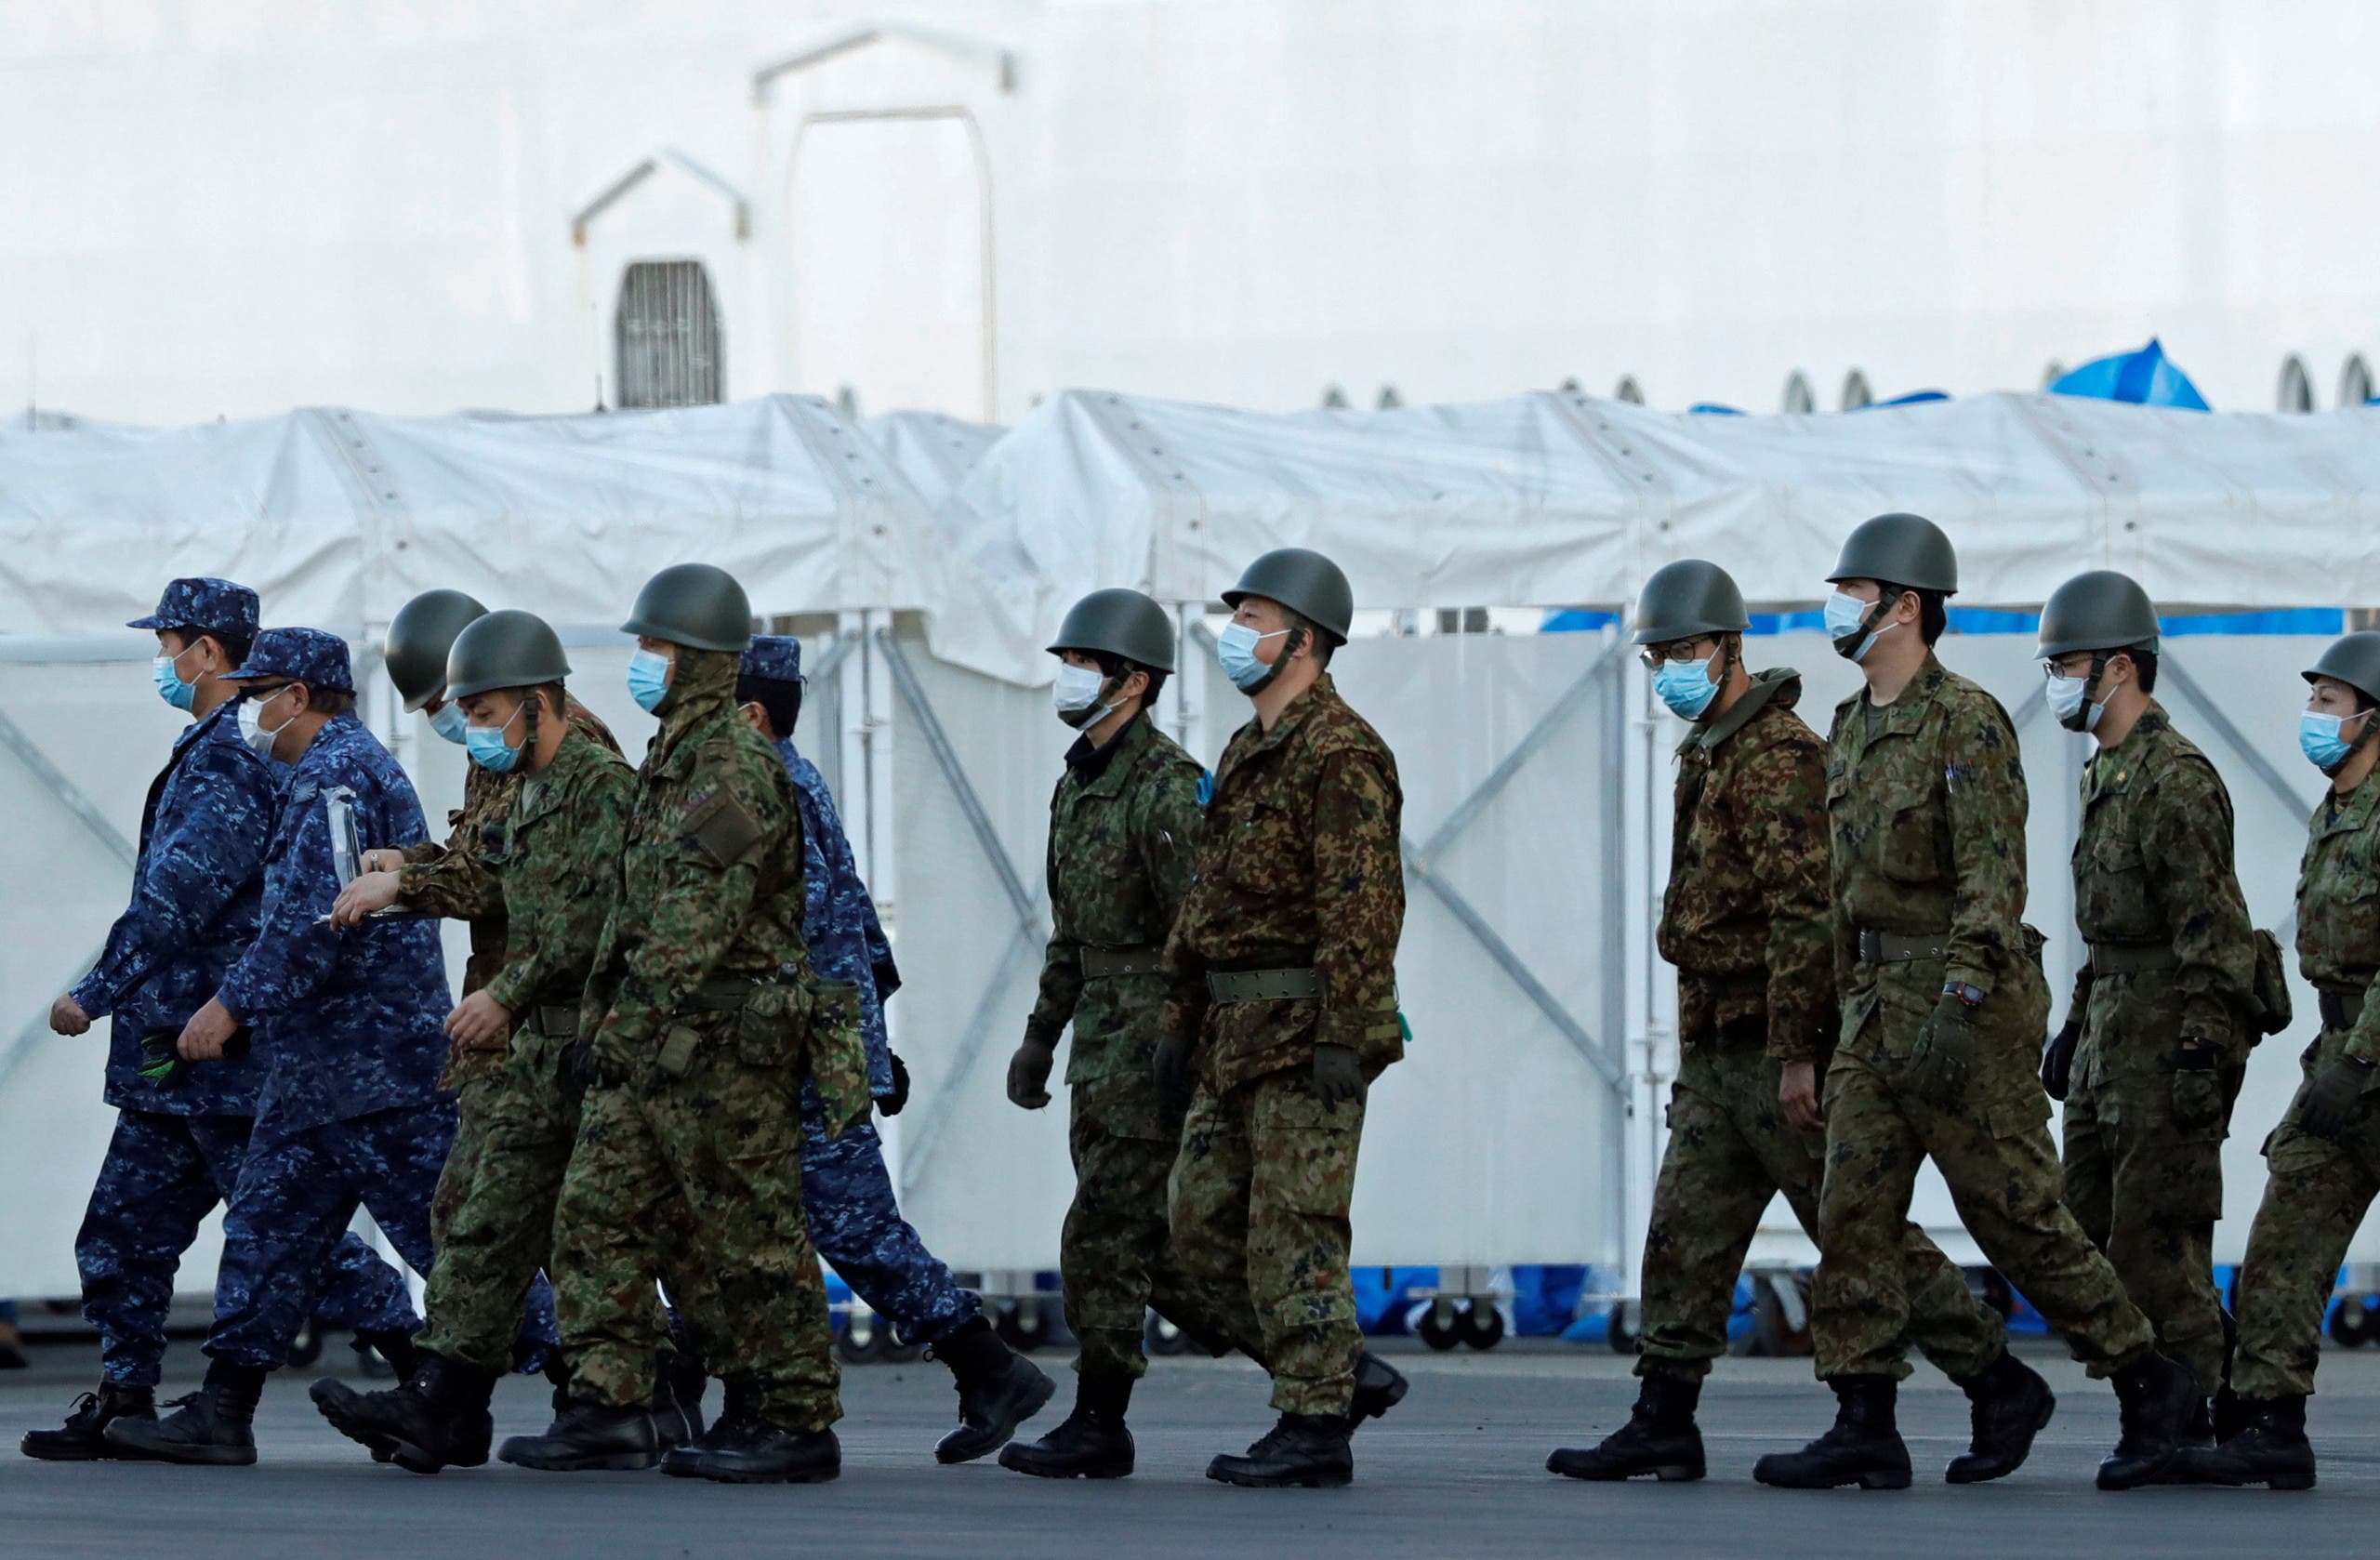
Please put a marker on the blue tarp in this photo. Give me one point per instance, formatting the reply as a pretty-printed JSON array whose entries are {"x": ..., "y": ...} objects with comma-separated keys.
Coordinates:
[
  {"x": 2146, "y": 377},
  {"x": 1980, "y": 620}
]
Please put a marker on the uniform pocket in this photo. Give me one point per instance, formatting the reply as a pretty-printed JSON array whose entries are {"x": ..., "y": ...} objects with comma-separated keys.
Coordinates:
[
  {"x": 2198, "y": 1099},
  {"x": 1908, "y": 847},
  {"x": 1265, "y": 857}
]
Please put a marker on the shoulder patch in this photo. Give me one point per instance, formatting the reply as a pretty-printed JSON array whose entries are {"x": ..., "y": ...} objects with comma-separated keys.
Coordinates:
[{"x": 722, "y": 827}]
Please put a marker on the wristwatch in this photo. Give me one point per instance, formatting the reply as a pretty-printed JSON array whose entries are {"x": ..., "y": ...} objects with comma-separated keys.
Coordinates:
[{"x": 1971, "y": 995}]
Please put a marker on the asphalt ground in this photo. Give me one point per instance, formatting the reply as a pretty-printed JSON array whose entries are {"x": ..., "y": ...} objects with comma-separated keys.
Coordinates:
[{"x": 1457, "y": 1471}]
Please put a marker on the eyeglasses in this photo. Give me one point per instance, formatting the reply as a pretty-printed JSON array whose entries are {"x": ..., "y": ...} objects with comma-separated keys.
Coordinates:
[{"x": 1676, "y": 653}]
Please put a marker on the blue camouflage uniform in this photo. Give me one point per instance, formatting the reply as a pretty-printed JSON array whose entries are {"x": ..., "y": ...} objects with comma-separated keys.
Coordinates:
[
  {"x": 179, "y": 1142},
  {"x": 349, "y": 1025},
  {"x": 854, "y": 1219}
]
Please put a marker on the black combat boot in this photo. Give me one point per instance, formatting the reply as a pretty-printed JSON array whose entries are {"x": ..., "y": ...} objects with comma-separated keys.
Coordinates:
[
  {"x": 1092, "y": 1444},
  {"x": 678, "y": 1387},
  {"x": 1659, "y": 1437},
  {"x": 2153, "y": 1396},
  {"x": 438, "y": 1418},
  {"x": 2270, "y": 1448},
  {"x": 2011, "y": 1404},
  {"x": 2198, "y": 1430},
  {"x": 85, "y": 1438},
  {"x": 2227, "y": 1414},
  {"x": 742, "y": 1448},
  {"x": 396, "y": 1347},
  {"x": 998, "y": 1389},
  {"x": 1306, "y": 1451},
  {"x": 216, "y": 1425},
  {"x": 1379, "y": 1386},
  {"x": 1864, "y": 1447},
  {"x": 586, "y": 1437}
]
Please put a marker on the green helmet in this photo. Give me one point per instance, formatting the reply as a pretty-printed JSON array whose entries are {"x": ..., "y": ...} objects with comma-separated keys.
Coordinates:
[
  {"x": 1307, "y": 583},
  {"x": 505, "y": 649},
  {"x": 1120, "y": 622},
  {"x": 1904, "y": 549},
  {"x": 1685, "y": 600},
  {"x": 419, "y": 637},
  {"x": 2101, "y": 609},
  {"x": 2354, "y": 660},
  {"x": 693, "y": 604}
]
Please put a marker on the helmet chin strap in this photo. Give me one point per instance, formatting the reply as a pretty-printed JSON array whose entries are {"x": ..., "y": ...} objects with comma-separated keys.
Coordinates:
[{"x": 1280, "y": 663}]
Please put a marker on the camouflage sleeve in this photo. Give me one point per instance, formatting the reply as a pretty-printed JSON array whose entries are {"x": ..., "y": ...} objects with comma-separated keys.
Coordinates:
[
  {"x": 453, "y": 879},
  {"x": 1779, "y": 798},
  {"x": 1359, "y": 897},
  {"x": 1845, "y": 936},
  {"x": 707, "y": 890},
  {"x": 2189, "y": 837},
  {"x": 1173, "y": 826},
  {"x": 1984, "y": 795},
  {"x": 556, "y": 899},
  {"x": 1053, "y": 1009}
]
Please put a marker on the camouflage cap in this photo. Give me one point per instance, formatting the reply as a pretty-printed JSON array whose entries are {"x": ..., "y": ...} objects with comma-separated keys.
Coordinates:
[
  {"x": 306, "y": 655},
  {"x": 772, "y": 658},
  {"x": 211, "y": 606}
]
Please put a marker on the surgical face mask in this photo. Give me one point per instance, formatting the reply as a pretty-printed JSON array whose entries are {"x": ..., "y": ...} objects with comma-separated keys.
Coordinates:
[
  {"x": 2066, "y": 701},
  {"x": 2320, "y": 739},
  {"x": 1236, "y": 648},
  {"x": 252, "y": 728},
  {"x": 1846, "y": 617},
  {"x": 1685, "y": 687},
  {"x": 487, "y": 747},
  {"x": 165, "y": 672},
  {"x": 649, "y": 679},
  {"x": 1077, "y": 695},
  {"x": 451, "y": 724}
]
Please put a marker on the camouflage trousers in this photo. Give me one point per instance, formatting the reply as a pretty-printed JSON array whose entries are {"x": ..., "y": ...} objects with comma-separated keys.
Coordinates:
[
  {"x": 499, "y": 1235},
  {"x": 1730, "y": 1151},
  {"x": 1113, "y": 1254},
  {"x": 291, "y": 1209},
  {"x": 2005, "y": 1182},
  {"x": 476, "y": 1104},
  {"x": 163, "y": 1174},
  {"x": 1259, "y": 1208},
  {"x": 699, "y": 1174},
  {"x": 2316, "y": 1193},
  {"x": 2144, "y": 1177}
]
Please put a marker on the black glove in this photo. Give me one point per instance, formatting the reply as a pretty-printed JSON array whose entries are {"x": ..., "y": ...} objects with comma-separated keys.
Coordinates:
[
  {"x": 2333, "y": 1105},
  {"x": 1028, "y": 1074},
  {"x": 1338, "y": 1074},
  {"x": 578, "y": 1064},
  {"x": 890, "y": 1104},
  {"x": 1947, "y": 1049},
  {"x": 1173, "y": 1072},
  {"x": 2057, "y": 1060}
]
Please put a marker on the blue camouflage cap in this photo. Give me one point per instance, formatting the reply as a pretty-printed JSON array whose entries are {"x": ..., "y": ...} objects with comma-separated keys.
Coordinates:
[
  {"x": 211, "y": 606},
  {"x": 306, "y": 655},
  {"x": 772, "y": 658}
]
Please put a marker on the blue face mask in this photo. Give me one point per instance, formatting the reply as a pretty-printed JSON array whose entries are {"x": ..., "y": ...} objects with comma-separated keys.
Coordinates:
[
  {"x": 2318, "y": 739},
  {"x": 648, "y": 679},
  {"x": 1685, "y": 687},
  {"x": 1846, "y": 624},
  {"x": 487, "y": 747},
  {"x": 168, "y": 676},
  {"x": 1236, "y": 648},
  {"x": 451, "y": 724}
]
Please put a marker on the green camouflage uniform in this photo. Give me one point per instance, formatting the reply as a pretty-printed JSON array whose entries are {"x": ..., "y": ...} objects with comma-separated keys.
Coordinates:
[
  {"x": 475, "y": 1077},
  {"x": 1300, "y": 869},
  {"x": 701, "y": 1036},
  {"x": 1124, "y": 828},
  {"x": 2156, "y": 898},
  {"x": 2316, "y": 1190},
  {"x": 1745, "y": 922},
  {"x": 1926, "y": 802}
]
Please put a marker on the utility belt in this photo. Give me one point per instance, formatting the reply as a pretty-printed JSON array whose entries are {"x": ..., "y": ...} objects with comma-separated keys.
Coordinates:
[
  {"x": 1264, "y": 985},
  {"x": 1101, "y": 964},
  {"x": 1902, "y": 948},
  {"x": 726, "y": 994},
  {"x": 2341, "y": 1008},
  {"x": 2134, "y": 958},
  {"x": 552, "y": 1021}
]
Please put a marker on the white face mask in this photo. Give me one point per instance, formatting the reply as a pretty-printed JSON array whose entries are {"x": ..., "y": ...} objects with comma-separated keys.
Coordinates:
[
  {"x": 2065, "y": 695},
  {"x": 252, "y": 728},
  {"x": 1075, "y": 693}
]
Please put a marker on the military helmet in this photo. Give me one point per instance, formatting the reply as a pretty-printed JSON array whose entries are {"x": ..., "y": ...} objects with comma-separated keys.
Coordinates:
[
  {"x": 1118, "y": 622},
  {"x": 419, "y": 637},
  {"x": 1687, "y": 599},
  {"x": 2354, "y": 660},
  {"x": 693, "y": 604},
  {"x": 1904, "y": 549},
  {"x": 507, "y": 648},
  {"x": 1307, "y": 583},
  {"x": 2101, "y": 609}
]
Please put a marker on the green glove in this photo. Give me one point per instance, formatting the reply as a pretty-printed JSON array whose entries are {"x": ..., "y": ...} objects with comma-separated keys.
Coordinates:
[
  {"x": 2333, "y": 1105},
  {"x": 1028, "y": 1074},
  {"x": 1947, "y": 1051},
  {"x": 1338, "y": 1074}
]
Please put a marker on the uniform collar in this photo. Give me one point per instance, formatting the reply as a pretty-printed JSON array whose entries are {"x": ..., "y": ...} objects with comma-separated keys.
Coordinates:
[
  {"x": 2343, "y": 815},
  {"x": 1299, "y": 710},
  {"x": 1766, "y": 688},
  {"x": 1908, "y": 712},
  {"x": 1101, "y": 771}
]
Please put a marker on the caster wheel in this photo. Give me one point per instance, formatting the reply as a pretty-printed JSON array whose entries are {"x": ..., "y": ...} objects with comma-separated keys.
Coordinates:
[
  {"x": 1161, "y": 1338},
  {"x": 2352, "y": 1324},
  {"x": 1620, "y": 1332},
  {"x": 1021, "y": 1324},
  {"x": 1438, "y": 1328},
  {"x": 1481, "y": 1324},
  {"x": 863, "y": 1340},
  {"x": 306, "y": 1347}
]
